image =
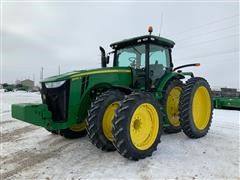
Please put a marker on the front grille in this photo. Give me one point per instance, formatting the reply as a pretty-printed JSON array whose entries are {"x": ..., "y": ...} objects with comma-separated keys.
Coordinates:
[{"x": 57, "y": 101}]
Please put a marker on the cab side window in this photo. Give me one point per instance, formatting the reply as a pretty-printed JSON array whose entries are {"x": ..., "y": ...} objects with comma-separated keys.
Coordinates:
[
  {"x": 159, "y": 55},
  {"x": 158, "y": 61}
]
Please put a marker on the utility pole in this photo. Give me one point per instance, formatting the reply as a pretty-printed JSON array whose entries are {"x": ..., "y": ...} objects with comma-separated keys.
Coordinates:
[
  {"x": 59, "y": 69},
  {"x": 41, "y": 74},
  {"x": 34, "y": 79}
]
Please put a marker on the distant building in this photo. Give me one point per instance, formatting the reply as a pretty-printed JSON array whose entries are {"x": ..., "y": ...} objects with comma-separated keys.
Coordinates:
[
  {"x": 18, "y": 82},
  {"x": 28, "y": 82}
]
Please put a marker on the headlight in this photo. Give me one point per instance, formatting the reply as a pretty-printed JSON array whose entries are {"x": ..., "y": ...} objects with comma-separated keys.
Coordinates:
[{"x": 54, "y": 84}]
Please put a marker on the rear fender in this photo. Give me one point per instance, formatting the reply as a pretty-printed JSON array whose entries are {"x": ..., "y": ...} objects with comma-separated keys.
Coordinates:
[{"x": 164, "y": 81}]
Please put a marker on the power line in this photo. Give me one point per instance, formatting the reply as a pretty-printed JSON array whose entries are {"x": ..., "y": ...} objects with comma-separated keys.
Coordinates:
[
  {"x": 210, "y": 54},
  {"x": 204, "y": 42},
  {"x": 209, "y": 23},
  {"x": 205, "y": 33}
]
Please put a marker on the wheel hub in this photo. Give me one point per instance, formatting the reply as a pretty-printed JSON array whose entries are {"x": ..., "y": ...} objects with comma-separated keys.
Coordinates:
[{"x": 137, "y": 125}]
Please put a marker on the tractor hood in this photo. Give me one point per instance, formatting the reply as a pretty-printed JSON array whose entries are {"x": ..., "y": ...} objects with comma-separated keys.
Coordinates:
[{"x": 80, "y": 73}]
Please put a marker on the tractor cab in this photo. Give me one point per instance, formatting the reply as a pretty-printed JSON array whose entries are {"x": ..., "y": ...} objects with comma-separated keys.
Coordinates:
[{"x": 148, "y": 56}]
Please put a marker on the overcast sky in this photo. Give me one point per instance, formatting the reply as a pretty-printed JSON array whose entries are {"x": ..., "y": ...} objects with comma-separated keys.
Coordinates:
[{"x": 48, "y": 34}]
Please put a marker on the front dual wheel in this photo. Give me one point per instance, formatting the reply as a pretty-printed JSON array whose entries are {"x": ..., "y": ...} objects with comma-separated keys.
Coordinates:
[
  {"x": 131, "y": 124},
  {"x": 100, "y": 117},
  {"x": 75, "y": 131}
]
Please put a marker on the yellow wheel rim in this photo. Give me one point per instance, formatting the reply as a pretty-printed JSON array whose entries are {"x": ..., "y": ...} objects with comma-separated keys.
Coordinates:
[
  {"x": 144, "y": 126},
  {"x": 108, "y": 118},
  {"x": 201, "y": 108},
  {"x": 78, "y": 127},
  {"x": 173, "y": 106}
]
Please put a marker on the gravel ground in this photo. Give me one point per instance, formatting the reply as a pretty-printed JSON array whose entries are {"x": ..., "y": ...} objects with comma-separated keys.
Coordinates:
[{"x": 30, "y": 152}]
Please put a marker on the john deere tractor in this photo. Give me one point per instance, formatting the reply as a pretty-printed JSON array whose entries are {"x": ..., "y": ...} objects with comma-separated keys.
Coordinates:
[{"x": 125, "y": 105}]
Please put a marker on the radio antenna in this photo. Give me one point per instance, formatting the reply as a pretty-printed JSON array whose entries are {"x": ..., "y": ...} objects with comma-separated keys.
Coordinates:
[{"x": 161, "y": 24}]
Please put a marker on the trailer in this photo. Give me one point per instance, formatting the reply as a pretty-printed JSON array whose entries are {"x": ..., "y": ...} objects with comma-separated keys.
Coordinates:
[{"x": 226, "y": 98}]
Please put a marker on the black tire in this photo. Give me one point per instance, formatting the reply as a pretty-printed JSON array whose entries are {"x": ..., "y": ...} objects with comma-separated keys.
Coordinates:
[
  {"x": 95, "y": 119},
  {"x": 55, "y": 132},
  {"x": 188, "y": 122},
  {"x": 69, "y": 134},
  {"x": 173, "y": 127},
  {"x": 76, "y": 131},
  {"x": 121, "y": 126}
]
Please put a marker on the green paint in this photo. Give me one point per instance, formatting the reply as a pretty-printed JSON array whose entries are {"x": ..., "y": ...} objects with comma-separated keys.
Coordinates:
[
  {"x": 167, "y": 77},
  {"x": 36, "y": 114},
  {"x": 223, "y": 102}
]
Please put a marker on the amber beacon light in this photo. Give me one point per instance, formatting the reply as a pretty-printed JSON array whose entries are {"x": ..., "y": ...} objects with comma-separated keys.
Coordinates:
[{"x": 150, "y": 29}]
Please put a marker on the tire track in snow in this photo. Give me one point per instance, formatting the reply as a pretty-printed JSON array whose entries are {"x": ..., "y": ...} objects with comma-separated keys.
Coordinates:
[
  {"x": 6, "y": 122},
  {"x": 22, "y": 160},
  {"x": 5, "y": 112},
  {"x": 16, "y": 133}
]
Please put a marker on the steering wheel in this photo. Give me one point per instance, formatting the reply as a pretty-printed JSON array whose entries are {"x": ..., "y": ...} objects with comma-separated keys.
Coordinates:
[{"x": 132, "y": 59}]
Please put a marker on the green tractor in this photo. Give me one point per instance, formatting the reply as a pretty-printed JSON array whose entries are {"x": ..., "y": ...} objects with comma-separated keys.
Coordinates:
[{"x": 125, "y": 105}]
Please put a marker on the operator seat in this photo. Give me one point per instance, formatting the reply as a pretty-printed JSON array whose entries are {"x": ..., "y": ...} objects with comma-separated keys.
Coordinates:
[{"x": 156, "y": 71}]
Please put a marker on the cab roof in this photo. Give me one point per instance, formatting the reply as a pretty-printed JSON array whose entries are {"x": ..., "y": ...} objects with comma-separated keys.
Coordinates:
[{"x": 143, "y": 39}]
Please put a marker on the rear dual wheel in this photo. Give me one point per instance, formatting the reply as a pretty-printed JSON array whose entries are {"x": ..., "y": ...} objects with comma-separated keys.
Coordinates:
[
  {"x": 170, "y": 104},
  {"x": 196, "y": 108}
]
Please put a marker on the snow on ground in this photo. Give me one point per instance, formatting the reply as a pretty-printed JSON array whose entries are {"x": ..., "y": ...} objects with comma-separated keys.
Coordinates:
[{"x": 30, "y": 152}]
